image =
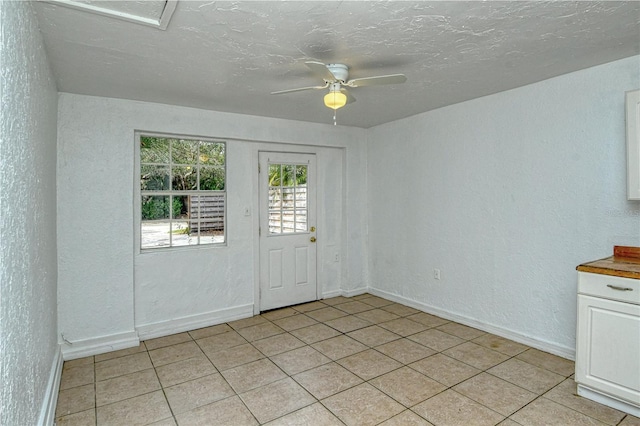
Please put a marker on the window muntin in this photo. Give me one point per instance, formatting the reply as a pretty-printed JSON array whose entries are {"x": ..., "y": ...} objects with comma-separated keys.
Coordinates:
[
  {"x": 182, "y": 192},
  {"x": 287, "y": 199}
]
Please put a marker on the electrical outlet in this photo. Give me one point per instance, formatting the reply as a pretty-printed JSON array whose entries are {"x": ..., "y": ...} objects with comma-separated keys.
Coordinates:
[
  {"x": 436, "y": 273},
  {"x": 336, "y": 257}
]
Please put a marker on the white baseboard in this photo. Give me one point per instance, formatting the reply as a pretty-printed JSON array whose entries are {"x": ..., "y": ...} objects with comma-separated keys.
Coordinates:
[
  {"x": 354, "y": 292},
  {"x": 99, "y": 345},
  {"x": 193, "y": 322},
  {"x": 103, "y": 344},
  {"x": 48, "y": 410},
  {"x": 562, "y": 351},
  {"x": 330, "y": 294}
]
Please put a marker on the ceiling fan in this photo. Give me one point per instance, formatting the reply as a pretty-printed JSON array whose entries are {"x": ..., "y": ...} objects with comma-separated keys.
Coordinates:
[{"x": 336, "y": 79}]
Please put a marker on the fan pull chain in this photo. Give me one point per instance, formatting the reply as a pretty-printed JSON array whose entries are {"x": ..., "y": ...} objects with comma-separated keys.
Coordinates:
[{"x": 335, "y": 122}]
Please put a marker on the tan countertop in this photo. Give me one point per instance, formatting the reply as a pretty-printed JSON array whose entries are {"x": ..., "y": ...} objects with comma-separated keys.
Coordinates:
[{"x": 624, "y": 263}]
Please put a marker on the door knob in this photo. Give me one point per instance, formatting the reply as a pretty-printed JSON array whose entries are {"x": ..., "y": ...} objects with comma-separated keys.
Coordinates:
[{"x": 312, "y": 239}]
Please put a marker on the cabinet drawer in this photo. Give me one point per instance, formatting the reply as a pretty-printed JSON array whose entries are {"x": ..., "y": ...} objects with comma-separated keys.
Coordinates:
[{"x": 609, "y": 287}]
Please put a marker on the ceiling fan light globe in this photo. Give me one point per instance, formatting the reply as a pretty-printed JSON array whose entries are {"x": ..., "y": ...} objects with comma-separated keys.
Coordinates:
[{"x": 335, "y": 100}]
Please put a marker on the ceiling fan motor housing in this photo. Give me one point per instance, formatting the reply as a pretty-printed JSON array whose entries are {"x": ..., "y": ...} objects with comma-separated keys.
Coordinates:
[
  {"x": 335, "y": 87},
  {"x": 339, "y": 71}
]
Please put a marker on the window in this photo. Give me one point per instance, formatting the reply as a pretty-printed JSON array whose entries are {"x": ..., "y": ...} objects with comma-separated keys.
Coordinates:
[
  {"x": 287, "y": 198},
  {"x": 182, "y": 192}
]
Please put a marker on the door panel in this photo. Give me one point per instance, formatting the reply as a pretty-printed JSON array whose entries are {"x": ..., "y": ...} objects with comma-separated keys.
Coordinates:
[
  {"x": 302, "y": 261},
  {"x": 275, "y": 269},
  {"x": 287, "y": 229}
]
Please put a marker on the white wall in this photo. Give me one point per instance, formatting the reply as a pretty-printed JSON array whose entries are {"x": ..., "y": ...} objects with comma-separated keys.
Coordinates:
[
  {"x": 506, "y": 195},
  {"x": 109, "y": 291},
  {"x": 30, "y": 356}
]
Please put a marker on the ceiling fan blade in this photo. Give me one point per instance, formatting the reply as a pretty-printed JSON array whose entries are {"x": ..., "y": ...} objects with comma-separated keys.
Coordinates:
[
  {"x": 320, "y": 70},
  {"x": 377, "y": 81},
  {"x": 280, "y": 92}
]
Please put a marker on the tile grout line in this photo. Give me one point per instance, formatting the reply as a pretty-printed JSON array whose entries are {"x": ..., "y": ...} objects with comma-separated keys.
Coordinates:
[
  {"x": 403, "y": 365},
  {"x": 162, "y": 388},
  {"x": 95, "y": 393},
  {"x": 367, "y": 346},
  {"x": 364, "y": 381}
]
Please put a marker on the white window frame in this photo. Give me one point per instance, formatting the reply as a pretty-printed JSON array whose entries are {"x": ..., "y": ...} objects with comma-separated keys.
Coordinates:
[{"x": 138, "y": 193}]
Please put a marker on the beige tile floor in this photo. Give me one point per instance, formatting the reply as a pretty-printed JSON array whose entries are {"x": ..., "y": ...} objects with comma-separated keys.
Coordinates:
[{"x": 341, "y": 361}]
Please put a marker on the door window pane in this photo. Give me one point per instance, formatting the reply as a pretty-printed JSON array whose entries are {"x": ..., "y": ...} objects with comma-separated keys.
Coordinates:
[{"x": 287, "y": 198}]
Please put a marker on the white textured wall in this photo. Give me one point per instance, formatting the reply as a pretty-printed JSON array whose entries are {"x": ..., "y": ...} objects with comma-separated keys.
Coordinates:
[
  {"x": 505, "y": 194},
  {"x": 28, "y": 271},
  {"x": 107, "y": 289}
]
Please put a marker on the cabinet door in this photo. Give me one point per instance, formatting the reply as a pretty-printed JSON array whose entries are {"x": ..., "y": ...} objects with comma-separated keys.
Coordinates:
[{"x": 608, "y": 347}]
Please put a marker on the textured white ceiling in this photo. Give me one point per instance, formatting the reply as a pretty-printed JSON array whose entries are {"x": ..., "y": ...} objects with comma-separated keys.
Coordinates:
[{"x": 229, "y": 55}]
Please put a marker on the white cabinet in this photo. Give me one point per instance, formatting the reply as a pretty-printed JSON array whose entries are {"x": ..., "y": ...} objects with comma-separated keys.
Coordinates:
[{"x": 608, "y": 341}]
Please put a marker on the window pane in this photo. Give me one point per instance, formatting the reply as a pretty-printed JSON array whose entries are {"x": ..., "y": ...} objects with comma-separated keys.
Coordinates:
[
  {"x": 301, "y": 197},
  {"x": 155, "y": 234},
  {"x": 274, "y": 175},
  {"x": 207, "y": 214},
  {"x": 212, "y": 234},
  {"x": 275, "y": 206},
  {"x": 288, "y": 224},
  {"x": 180, "y": 207},
  {"x": 180, "y": 233},
  {"x": 180, "y": 227},
  {"x": 275, "y": 198},
  {"x": 184, "y": 178},
  {"x": 184, "y": 152},
  {"x": 193, "y": 239},
  {"x": 301, "y": 175},
  {"x": 155, "y": 207},
  {"x": 210, "y": 239},
  {"x": 301, "y": 220},
  {"x": 154, "y": 150},
  {"x": 287, "y": 198},
  {"x": 211, "y": 179},
  {"x": 212, "y": 153},
  {"x": 275, "y": 224},
  {"x": 287, "y": 175},
  {"x": 275, "y": 210},
  {"x": 154, "y": 178}
]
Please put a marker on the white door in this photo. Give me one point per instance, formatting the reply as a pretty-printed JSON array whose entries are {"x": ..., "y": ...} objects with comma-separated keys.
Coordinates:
[{"x": 287, "y": 229}]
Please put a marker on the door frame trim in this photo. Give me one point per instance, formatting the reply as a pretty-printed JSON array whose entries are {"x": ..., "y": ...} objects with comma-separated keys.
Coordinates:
[{"x": 256, "y": 220}]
